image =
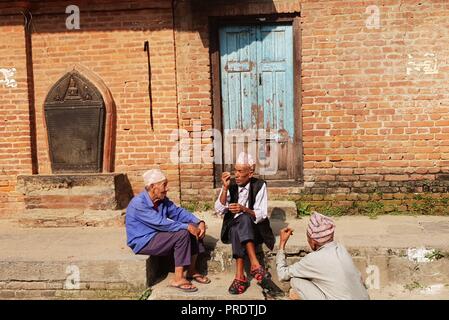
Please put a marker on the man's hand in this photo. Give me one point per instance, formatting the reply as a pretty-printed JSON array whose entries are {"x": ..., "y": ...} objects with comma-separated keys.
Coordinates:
[
  {"x": 284, "y": 235},
  {"x": 236, "y": 208},
  {"x": 193, "y": 230},
  {"x": 226, "y": 179},
  {"x": 202, "y": 227}
]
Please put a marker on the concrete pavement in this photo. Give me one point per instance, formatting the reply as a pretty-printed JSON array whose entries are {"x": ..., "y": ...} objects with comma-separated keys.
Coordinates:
[{"x": 44, "y": 262}]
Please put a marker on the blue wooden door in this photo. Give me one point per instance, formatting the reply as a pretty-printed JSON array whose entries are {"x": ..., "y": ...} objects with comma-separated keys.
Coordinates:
[{"x": 257, "y": 94}]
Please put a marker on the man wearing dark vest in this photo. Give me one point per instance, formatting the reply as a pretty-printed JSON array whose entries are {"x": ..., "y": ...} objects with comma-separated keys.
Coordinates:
[{"x": 243, "y": 201}]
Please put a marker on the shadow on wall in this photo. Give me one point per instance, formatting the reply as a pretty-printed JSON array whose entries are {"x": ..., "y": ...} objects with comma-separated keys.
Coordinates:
[
  {"x": 278, "y": 220},
  {"x": 123, "y": 192},
  {"x": 203, "y": 16},
  {"x": 145, "y": 16}
]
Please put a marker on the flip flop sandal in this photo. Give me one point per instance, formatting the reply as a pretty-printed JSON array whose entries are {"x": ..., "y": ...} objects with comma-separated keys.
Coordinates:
[
  {"x": 182, "y": 287},
  {"x": 197, "y": 278}
]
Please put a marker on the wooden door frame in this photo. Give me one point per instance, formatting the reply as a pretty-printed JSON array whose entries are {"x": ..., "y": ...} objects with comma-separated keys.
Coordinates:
[{"x": 214, "y": 49}]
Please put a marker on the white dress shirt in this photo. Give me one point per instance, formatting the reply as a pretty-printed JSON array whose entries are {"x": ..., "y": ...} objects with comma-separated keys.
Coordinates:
[{"x": 260, "y": 204}]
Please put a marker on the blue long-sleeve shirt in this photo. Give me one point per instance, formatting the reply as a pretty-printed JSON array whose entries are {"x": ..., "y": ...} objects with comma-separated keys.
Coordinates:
[{"x": 143, "y": 220}]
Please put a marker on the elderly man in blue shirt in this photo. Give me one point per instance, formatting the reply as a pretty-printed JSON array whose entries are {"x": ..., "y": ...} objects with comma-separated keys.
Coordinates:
[{"x": 156, "y": 226}]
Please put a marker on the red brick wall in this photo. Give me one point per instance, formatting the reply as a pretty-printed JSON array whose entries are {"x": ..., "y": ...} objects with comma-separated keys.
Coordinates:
[
  {"x": 364, "y": 117},
  {"x": 110, "y": 44},
  {"x": 366, "y": 121},
  {"x": 194, "y": 97},
  {"x": 15, "y": 152}
]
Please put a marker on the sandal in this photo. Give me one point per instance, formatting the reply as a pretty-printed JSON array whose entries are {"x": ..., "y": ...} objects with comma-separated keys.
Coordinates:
[
  {"x": 183, "y": 287},
  {"x": 199, "y": 278},
  {"x": 270, "y": 289},
  {"x": 259, "y": 274},
  {"x": 263, "y": 278},
  {"x": 238, "y": 286}
]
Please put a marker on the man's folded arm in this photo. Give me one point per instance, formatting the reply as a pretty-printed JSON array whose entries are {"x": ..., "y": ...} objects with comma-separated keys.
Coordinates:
[{"x": 158, "y": 222}]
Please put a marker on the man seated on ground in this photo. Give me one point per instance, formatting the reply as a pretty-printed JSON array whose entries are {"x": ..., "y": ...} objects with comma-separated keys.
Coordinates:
[
  {"x": 326, "y": 273},
  {"x": 156, "y": 226},
  {"x": 244, "y": 201}
]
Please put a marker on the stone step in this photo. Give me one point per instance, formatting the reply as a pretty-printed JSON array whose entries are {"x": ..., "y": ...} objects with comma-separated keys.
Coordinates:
[
  {"x": 385, "y": 272},
  {"x": 108, "y": 191},
  {"x": 72, "y": 279},
  {"x": 379, "y": 267},
  {"x": 92, "y": 201},
  {"x": 69, "y": 263},
  {"x": 37, "y": 263},
  {"x": 380, "y": 263},
  {"x": 379, "y": 247},
  {"x": 216, "y": 290},
  {"x": 47, "y": 218}
]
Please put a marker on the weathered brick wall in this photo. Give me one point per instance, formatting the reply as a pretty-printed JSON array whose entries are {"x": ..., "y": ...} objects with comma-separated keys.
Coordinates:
[
  {"x": 110, "y": 44},
  {"x": 366, "y": 119},
  {"x": 373, "y": 98},
  {"x": 14, "y": 116},
  {"x": 194, "y": 98},
  {"x": 374, "y": 101}
]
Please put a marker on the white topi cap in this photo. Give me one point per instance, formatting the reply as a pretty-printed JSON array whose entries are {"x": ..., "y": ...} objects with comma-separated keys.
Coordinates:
[
  {"x": 153, "y": 176},
  {"x": 245, "y": 158}
]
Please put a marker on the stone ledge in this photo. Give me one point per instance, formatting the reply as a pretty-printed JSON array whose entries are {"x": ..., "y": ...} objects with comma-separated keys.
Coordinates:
[
  {"x": 77, "y": 191},
  {"x": 46, "y": 218}
]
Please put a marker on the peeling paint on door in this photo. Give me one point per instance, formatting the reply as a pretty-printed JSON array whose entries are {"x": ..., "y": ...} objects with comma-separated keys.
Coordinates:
[{"x": 257, "y": 84}]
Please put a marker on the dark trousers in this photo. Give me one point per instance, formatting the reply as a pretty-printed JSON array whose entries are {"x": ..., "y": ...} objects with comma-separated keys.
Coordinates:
[
  {"x": 240, "y": 232},
  {"x": 181, "y": 244}
]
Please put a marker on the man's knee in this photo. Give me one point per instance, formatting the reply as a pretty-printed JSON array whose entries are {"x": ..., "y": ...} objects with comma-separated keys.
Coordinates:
[
  {"x": 306, "y": 289},
  {"x": 245, "y": 219},
  {"x": 245, "y": 228},
  {"x": 183, "y": 235}
]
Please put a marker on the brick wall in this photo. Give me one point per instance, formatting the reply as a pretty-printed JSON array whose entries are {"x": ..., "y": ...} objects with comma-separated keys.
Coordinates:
[
  {"x": 14, "y": 113},
  {"x": 110, "y": 44},
  {"x": 365, "y": 117},
  {"x": 194, "y": 97},
  {"x": 374, "y": 100}
]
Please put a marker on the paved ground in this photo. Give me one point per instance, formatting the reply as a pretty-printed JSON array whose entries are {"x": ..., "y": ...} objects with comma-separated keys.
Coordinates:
[
  {"x": 60, "y": 244},
  {"x": 398, "y": 292},
  {"x": 45, "y": 245},
  {"x": 356, "y": 231},
  {"x": 217, "y": 290},
  {"x": 20, "y": 243}
]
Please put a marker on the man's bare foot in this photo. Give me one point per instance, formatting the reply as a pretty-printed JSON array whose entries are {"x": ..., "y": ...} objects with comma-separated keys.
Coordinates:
[
  {"x": 183, "y": 285},
  {"x": 199, "y": 278},
  {"x": 255, "y": 267},
  {"x": 293, "y": 295}
]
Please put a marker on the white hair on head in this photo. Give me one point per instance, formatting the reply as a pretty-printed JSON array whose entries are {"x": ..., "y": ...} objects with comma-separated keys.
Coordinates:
[
  {"x": 153, "y": 176},
  {"x": 246, "y": 158}
]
